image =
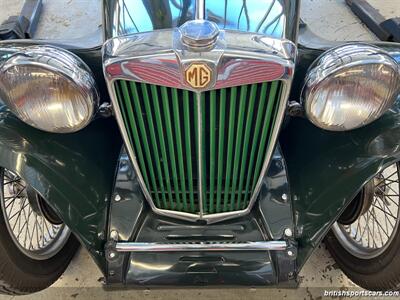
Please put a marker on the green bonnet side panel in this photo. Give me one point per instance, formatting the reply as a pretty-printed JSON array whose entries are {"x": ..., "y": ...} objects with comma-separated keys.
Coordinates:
[{"x": 75, "y": 172}]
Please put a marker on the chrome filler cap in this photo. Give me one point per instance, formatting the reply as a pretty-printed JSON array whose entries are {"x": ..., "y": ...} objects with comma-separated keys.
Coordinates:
[{"x": 199, "y": 33}]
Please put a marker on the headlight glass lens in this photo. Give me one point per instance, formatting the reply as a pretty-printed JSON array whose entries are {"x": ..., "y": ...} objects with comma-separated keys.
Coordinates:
[
  {"x": 350, "y": 87},
  {"x": 45, "y": 97}
]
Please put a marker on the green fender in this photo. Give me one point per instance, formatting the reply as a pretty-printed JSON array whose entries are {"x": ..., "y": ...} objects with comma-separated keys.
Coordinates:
[
  {"x": 327, "y": 170},
  {"x": 74, "y": 171}
]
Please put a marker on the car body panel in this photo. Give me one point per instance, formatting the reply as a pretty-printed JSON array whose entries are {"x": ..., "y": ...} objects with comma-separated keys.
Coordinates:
[
  {"x": 74, "y": 172},
  {"x": 328, "y": 169}
]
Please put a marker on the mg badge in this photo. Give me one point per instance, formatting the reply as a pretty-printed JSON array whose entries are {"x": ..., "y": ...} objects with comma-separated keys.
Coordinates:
[{"x": 198, "y": 75}]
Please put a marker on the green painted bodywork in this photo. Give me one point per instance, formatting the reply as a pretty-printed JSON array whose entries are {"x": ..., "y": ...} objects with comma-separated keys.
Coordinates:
[
  {"x": 75, "y": 172},
  {"x": 327, "y": 170}
]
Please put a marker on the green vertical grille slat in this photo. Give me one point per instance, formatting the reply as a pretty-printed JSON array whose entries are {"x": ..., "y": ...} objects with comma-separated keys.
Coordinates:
[
  {"x": 123, "y": 110},
  {"x": 135, "y": 135},
  {"x": 238, "y": 144},
  {"x": 213, "y": 112},
  {"x": 256, "y": 135},
  {"x": 197, "y": 153},
  {"x": 154, "y": 145},
  {"x": 221, "y": 147},
  {"x": 140, "y": 121},
  {"x": 154, "y": 94},
  {"x": 265, "y": 131},
  {"x": 236, "y": 129},
  {"x": 179, "y": 143},
  {"x": 171, "y": 145},
  {"x": 203, "y": 150},
  {"x": 249, "y": 118},
  {"x": 188, "y": 148},
  {"x": 229, "y": 155}
]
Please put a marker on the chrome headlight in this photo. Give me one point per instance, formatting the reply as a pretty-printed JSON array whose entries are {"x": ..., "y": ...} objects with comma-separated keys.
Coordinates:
[
  {"x": 49, "y": 88},
  {"x": 350, "y": 86}
]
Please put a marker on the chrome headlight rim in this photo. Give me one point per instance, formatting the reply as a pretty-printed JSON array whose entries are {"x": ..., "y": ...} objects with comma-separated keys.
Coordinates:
[
  {"x": 324, "y": 67},
  {"x": 65, "y": 64}
]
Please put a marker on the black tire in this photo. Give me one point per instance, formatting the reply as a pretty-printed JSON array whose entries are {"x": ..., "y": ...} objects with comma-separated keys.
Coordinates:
[
  {"x": 20, "y": 274},
  {"x": 381, "y": 273}
]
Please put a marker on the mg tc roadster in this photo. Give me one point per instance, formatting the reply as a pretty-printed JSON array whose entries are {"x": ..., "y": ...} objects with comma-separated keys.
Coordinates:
[{"x": 202, "y": 143}]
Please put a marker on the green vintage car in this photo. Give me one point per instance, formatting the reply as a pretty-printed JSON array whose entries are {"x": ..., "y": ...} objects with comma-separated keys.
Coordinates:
[{"x": 203, "y": 143}]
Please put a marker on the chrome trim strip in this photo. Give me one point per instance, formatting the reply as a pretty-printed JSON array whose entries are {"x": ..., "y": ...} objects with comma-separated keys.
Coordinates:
[
  {"x": 258, "y": 59},
  {"x": 200, "y": 10},
  {"x": 206, "y": 247},
  {"x": 199, "y": 149}
]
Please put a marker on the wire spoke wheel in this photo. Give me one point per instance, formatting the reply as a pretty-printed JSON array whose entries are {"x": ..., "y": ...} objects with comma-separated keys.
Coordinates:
[
  {"x": 29, "y": 228},
  {"x": 377, "y": 223}
]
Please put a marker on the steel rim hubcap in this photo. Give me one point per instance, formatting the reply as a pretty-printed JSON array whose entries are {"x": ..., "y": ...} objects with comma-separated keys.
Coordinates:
[
  {"x": 30, "y": 230},
  {"x": 375, "y": 228}
]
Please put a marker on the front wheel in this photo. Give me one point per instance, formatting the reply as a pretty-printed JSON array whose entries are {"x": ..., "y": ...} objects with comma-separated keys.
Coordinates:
[
  {"x": 365, "y": 242},
  {"x": 35, "y": 245}
]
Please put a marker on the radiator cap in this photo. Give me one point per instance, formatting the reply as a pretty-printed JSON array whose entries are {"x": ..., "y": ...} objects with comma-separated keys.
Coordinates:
[{"x": 199, "y": 33}]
